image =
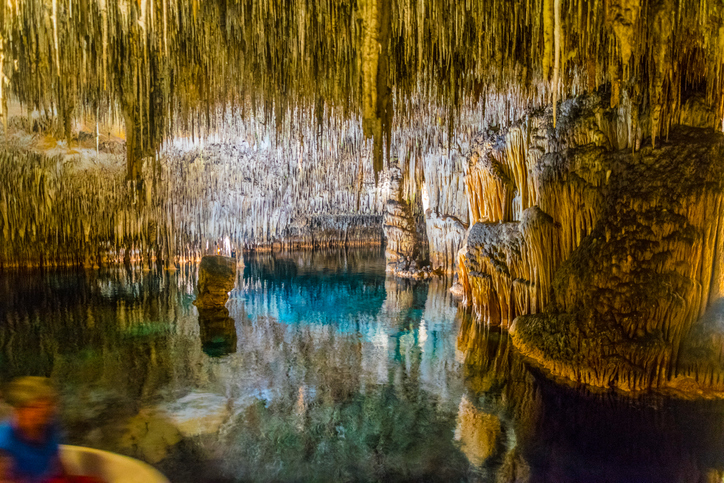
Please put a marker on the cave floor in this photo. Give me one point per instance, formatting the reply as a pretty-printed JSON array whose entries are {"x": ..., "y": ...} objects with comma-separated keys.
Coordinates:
[{"x": 326, "y": 370}]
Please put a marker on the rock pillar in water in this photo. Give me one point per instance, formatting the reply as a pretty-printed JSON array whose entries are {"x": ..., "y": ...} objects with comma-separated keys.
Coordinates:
[
  {"x": 217, "y": 276},
  {"x": 399, "y": 224}
]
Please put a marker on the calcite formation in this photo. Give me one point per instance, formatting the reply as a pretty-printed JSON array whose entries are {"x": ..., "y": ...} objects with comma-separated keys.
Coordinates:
[
  {"x": 326, "y": 231},
  {"x": 604, "y": 269},
  {"x": 426, "y": 215},
  {"x": 64, "y": 207},
  {"x": 400, "y": 226},
  {"x": 217, "y": 277},
  {"x": 165, "y": 67},
  {"x": 446, "y": 208},
  {"x": 507, "y": 269},
  {"x": 626, "y": 300},
  {"x": 510, "y": 142}
]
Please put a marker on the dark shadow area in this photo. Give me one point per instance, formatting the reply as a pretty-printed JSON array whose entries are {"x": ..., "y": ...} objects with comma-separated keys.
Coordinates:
[{"x": 218, "y": 332}]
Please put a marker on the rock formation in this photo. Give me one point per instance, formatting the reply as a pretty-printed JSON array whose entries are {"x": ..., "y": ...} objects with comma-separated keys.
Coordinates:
[
  {"x": 519, "y": 144},
  {"x": 609, "y": 260},
  {"x": 626, "y": 299},
  {"x": 217, "y": 277},
  {"x": 403, "y": 245},
  {"x": 65, "y": 207}
]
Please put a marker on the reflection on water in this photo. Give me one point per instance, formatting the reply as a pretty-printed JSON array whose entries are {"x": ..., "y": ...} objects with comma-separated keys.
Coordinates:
[
  {"x": 218, "y": 332},
  {"x": 547, "y": 433},
  {"x": 323, "y": 369}
]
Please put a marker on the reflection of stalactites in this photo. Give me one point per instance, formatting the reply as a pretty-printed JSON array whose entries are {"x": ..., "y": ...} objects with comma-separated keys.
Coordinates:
[
  {"x": 488, "y": 361},
  {"x": 478, "y": 433},
  {"x": 218, "y": 332},
  {"x": 376, "y": 93}
]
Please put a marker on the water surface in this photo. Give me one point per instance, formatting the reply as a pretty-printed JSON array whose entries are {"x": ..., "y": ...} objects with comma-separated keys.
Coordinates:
[{"x": 325, "y": 369}]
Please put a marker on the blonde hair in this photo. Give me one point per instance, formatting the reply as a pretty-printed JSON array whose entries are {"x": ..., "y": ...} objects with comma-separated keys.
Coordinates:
[{"x": 24, "y": 391}]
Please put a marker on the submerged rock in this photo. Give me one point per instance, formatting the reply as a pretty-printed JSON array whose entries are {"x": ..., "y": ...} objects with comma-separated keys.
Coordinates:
[
  {"x": 216, "y": 279},
  {"x": 197, "y": 413}
]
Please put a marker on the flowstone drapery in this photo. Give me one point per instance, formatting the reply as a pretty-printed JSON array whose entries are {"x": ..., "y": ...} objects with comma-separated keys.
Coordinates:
[{"x": 604, "y": 271}]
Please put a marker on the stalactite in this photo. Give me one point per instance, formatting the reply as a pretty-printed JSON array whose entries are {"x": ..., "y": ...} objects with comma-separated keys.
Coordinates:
[
  {"x": 557, "y": 34},
  {"x": 508, "y": 267},
  {"x": 445, "y": 207},
  {"x": 361, "y": 60},
  {"x": 69, "y": 209}
]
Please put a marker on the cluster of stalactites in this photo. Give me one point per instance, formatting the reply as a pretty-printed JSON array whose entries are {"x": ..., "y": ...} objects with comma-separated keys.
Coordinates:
[
  {"x": 532, "y": 171},
  {"x": 638, "y": 304},
  {"x": 169, "y": 66},
  {"x": 70, "y": 208},
  {"x": 507, "y": 268}
]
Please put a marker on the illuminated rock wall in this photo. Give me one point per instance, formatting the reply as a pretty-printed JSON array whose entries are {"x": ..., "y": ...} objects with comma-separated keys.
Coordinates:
[
  {"x": 625, "y": 302},
  {"x": 61, "y": 206},
  {"x": 601, "y": 261}
]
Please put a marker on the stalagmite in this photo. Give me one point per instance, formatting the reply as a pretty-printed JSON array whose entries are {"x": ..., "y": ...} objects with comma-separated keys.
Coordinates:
[{"x": 399, "y": 225}]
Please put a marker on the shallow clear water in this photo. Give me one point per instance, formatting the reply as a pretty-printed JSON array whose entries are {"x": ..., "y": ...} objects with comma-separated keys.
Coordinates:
[{"x": 326, "y": 370}]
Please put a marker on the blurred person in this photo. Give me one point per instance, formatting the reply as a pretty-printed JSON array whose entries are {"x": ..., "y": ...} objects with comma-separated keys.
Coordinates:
[{"x": 29, "y": 440}]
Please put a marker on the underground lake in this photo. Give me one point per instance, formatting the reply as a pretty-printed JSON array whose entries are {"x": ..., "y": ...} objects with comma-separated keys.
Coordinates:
[{"x": 327, "y": 369}]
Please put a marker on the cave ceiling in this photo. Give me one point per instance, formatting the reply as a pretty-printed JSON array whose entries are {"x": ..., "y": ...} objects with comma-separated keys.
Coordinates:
[{"x": 311, "y": 68}]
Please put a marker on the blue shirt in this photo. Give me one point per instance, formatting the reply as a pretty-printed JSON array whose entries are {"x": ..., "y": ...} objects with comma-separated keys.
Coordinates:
[{"x": 30, "y": 460}]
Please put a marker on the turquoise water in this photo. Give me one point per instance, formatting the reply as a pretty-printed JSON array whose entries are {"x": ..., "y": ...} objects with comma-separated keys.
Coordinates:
[{"x": 326, "y": 369}]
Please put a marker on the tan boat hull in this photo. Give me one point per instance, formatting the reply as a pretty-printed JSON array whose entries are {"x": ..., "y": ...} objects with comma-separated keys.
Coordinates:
[{"x": 111, "y": 467}]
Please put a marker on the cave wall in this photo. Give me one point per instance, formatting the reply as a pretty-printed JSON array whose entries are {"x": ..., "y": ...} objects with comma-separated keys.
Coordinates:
[
  {"x": 74, "y": 206},
  {"x": 601, "y": 261},
  {"x": 426, "y": 215},
  {"x": 446, "y": 208}
]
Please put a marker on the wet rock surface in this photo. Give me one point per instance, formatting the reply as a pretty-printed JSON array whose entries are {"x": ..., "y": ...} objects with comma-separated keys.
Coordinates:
[
  {"x": 217, "y": 277},
  {"x": 546, "y": 430},
  {"x": 629, "y": 295},
  {"x": 601, "y": 261},
  {"x": 408, "y": 268}
]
